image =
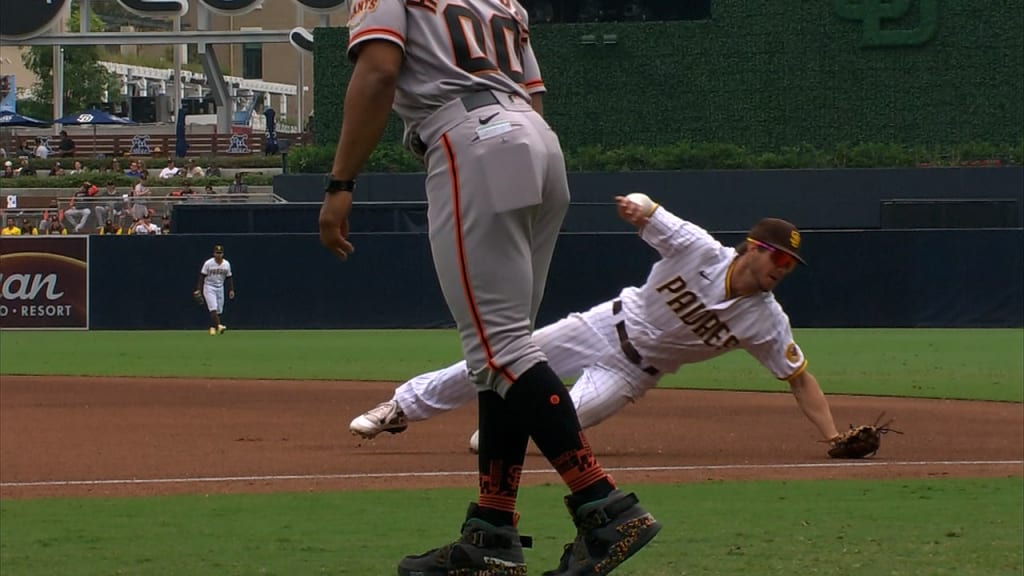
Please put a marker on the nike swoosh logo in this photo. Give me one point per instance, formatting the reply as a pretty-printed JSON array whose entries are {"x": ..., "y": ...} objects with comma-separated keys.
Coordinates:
[
  {"x": 705, "y": 276},
  {"x": 489, "y": 118}
]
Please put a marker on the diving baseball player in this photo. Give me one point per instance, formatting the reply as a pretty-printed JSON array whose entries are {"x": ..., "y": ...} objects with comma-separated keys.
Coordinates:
[
  {"x": 700, "y": 300},
  {"x": 463, "y": 77},
  {"x": 216, "y": 271}
]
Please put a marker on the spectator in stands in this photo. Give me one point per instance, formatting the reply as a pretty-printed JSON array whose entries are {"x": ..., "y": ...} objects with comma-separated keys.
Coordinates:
[
  {"x": 193, "y": 170},
  {"x": 187, "y": 192},
  {"x": 55, "y": 227},
  {"x": 107, "y": 202},
  {"x": 213, "y": 171},
  {"x": 140, "y": 195},
  {"x": 115, "y": 166},
  {"x": 165, "y": 226},
  {"x": 27, "y": 229},
  {"x": 42, "y": 151},
  {"x": 26, "y": 169},
  {"x": 27, "y": 148},
  {"x": 67, "y": 145},
  {"x": 134, "y": 170},
  {"x": 44, "y": 222},
  {"x": 77, "y": 168},
  {"x": 78, "y": 212},
  {"x": 11, "y": 229},
  {"x": 145, "y": 226},
  {"x": 57, "y": 169},
  {"x": 238, "y": 187},
  {"x": 3, "y": 152},
  {"x": 8, "y": 170},
  {"x": 110, "y": 228},
  {"x": 169, "y": 171},
  {"x": 209, "y": 193}
]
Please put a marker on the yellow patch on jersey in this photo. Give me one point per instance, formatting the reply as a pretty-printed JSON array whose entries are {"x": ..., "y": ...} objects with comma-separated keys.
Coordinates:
[
  {"x": 794, "y": 239},
  {"x": 793, "y": 353},
  {"x": 358, "y": 9}
]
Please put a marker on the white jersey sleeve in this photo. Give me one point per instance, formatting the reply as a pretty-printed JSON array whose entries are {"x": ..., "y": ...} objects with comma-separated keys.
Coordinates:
[
  {"x": 205, "y": 270},
  {"x": 375, "y": 20},
  {"x": 228, "y": 266},
  {"x": 669, "y": 234},
  {"x": 777, "y": 351}
]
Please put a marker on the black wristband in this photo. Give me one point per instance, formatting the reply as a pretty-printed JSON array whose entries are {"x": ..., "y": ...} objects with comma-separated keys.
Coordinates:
[{"x": 333, "y": 186}]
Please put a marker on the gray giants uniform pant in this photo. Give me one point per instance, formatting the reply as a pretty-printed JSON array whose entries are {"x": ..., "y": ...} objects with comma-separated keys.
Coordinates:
[{"x": 497, "y": 193}]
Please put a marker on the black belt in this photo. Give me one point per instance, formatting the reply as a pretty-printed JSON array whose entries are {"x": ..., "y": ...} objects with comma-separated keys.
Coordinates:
[
  {"x": 478, "y": 100},
  {"x": 470, "y": 102},
  {"x": 627, "y": 347}
]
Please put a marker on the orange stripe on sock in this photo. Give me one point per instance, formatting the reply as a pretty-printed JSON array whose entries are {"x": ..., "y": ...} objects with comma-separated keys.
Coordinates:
[
  {"x": 503, "y": 503},
  {"x": 460, "y": 243},
  {"x": 577, "y": 481}
]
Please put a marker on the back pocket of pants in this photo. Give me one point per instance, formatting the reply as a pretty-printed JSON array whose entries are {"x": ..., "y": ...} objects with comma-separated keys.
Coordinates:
[{"x": 512, "y": 167}]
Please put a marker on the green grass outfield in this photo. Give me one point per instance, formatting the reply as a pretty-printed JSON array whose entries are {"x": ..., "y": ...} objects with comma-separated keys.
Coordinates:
[
  {"x": 841, "y": 528},
  {"x": 937, "y": 363}
]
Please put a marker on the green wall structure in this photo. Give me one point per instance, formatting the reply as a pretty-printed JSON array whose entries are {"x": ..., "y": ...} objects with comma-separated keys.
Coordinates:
[{"x": 768, "y": 75}]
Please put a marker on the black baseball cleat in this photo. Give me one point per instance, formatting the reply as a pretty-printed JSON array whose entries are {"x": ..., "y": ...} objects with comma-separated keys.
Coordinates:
[{"x": 608, "y": 532}]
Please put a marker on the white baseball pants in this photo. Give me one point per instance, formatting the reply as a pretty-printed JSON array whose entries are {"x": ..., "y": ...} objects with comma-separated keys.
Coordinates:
[
  {"x": 214, "y": 298},
  {"x": 581, "y": 345}
]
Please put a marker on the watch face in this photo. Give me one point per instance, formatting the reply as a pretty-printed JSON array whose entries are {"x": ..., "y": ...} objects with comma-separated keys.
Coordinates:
[
  {"x": 322, "y": 6},
  {"x": 232, "y": 7},
  {"x": 156, "y": 7},
  {"x": 20, "y": 19}
]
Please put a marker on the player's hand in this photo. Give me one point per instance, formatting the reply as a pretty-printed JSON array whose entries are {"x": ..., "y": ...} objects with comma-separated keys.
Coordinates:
[
  {"x": 195, "y": 293},
  {"x": 631, "y": 212},
  {"x": 231, "y": 294},
  {"x": 334, "y": 224}
]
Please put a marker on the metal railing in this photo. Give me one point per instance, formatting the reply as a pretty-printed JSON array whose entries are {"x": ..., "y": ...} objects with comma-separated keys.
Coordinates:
[{"x": 87, "y": 214}]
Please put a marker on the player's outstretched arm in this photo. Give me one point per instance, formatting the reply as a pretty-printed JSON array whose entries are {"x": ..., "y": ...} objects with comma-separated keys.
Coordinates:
[{"x": 812, "y": 402}]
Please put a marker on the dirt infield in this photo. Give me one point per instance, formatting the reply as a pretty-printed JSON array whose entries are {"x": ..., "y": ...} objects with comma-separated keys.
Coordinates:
[{"x": 119, "y": 436}]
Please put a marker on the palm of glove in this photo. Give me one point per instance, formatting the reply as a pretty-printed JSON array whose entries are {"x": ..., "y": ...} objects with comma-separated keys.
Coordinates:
[
  {"x": 198, "y": 298},
  {"x": 861, "y": 441}
]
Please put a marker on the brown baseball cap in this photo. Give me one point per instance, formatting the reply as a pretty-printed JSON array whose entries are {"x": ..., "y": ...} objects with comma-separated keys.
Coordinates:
[
  {"x": 218, "y": 249},
  {"x": 779, "y": 234}
]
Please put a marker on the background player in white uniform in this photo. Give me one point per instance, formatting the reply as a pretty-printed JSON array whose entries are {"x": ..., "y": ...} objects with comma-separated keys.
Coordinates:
[
  {"x": 213, "y": 275},
  {"x": 463, "y": 77},
  {"x": 700, "y": 300}
]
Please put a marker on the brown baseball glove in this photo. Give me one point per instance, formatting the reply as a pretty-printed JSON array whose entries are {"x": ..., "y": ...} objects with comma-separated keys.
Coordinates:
[
  {"x": 861, "y": 441},
  {"x": 198, "y": 297}
]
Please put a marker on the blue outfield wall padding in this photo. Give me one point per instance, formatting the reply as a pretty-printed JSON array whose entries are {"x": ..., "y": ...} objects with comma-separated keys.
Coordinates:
[
  {"x": 899, "y": 278},
  {"x": 732, "y": 199}
]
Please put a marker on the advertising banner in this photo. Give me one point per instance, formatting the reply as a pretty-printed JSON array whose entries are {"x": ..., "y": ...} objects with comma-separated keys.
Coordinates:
[{"x": 44, "y": 282}]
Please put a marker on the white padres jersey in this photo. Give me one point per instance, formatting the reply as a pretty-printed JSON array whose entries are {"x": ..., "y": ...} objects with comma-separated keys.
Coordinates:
[
  {"x": 215, "y": 273},
  {"x": 684, "y": 314},
  {"x": 451, "y": 49}
]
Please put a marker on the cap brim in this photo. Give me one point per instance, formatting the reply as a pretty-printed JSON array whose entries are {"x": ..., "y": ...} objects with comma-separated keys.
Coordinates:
[{"x": 791, "y": 253}]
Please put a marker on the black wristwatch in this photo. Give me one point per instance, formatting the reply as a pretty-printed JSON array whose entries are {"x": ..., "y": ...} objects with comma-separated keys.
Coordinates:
[{"x": 332, "y": 186}]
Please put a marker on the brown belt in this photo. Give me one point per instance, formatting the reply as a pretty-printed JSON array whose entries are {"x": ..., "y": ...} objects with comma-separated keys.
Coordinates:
[{"x": 627, "y": 347}]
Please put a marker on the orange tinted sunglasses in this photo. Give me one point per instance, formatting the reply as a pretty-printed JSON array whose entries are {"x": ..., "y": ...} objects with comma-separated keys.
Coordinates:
[{"x": 778, "y": 257}]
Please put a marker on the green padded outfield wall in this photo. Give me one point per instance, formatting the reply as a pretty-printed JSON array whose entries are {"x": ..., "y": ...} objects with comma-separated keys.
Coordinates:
[{"x": 769, "y": 74}]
